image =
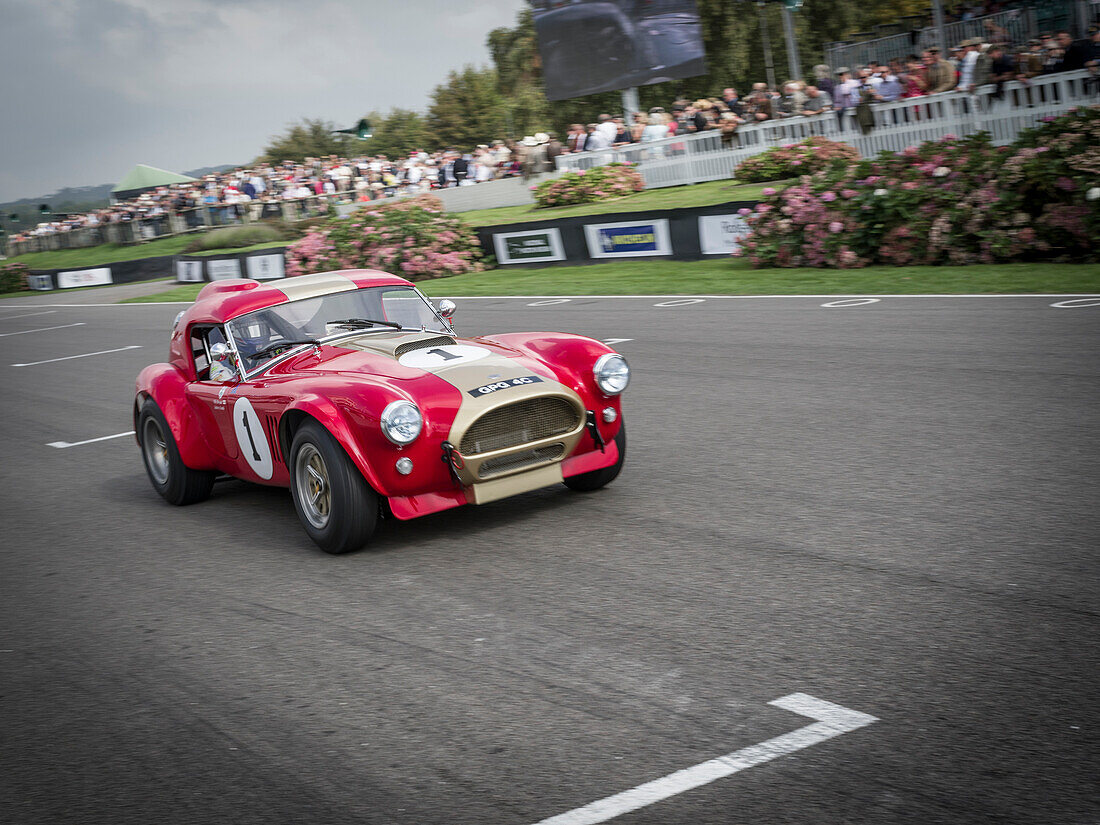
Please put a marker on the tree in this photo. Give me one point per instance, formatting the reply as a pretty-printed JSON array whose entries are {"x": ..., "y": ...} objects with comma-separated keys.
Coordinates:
[
  {"x": 310, "y": 138},
  {"x": 398, "y": 133},
  {"x": 468, "y": 109}
]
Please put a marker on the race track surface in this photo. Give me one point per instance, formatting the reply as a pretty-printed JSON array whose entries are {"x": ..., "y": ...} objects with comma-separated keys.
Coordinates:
[{"x": 891, "y": 507}]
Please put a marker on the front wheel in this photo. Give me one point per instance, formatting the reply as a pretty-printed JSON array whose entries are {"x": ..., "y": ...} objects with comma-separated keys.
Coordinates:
[
  {"x": 586, "y": 482},
  {"x": 175, "y": 481},
  {"x": 337, "y": 507}
]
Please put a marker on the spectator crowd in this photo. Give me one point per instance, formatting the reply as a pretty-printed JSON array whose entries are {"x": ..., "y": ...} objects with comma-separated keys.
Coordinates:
[{"x": 847, "y": 93}]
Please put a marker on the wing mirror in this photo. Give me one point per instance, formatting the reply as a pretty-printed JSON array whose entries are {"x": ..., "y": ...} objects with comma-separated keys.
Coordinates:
[
  {"x": 219, "y": 351},
  {"x": 447, "y": 308},
  {"x": 221, "y": 362}
]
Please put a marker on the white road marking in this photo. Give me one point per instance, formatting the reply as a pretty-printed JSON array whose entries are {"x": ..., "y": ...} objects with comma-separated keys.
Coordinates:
[
  {"x": 1077, "y": 302},
  {"x": 852, "y": 302},
  {"x": 82, "y": 355},
  {"x": 611, "y": 341},
  {"x": 738, "y": 297},
  {"x": 832, "y": 720},
  {"x": 28, "y": 314},
  {"x": 41, "y": 329},
  {"x": 681, "y": 302},
  {"x": 549, "y": 301},
  {"x": 61, "y": 445}
]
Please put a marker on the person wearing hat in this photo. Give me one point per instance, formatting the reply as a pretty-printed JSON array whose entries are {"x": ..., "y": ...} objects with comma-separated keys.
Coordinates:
[
  {"x": 939, "y": 75},
  {"x": 967, "y": 64},
  {"x": 1029, "y": 61}
]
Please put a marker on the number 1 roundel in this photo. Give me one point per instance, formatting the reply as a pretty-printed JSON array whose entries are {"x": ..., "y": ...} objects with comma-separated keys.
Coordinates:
[
  {"x": 436, "y": 358},
  {"x": 252, "y": 439}
]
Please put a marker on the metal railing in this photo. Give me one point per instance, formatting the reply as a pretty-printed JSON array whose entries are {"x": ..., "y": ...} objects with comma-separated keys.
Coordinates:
[{"x": 705, "y": 156}]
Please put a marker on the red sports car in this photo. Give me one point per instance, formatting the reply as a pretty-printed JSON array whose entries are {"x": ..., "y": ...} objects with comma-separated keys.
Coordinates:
[{"x": 352, "y": 389}]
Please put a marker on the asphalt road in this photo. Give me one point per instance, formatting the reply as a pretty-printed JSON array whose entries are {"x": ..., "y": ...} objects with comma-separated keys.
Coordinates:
[{"x": 892, "y": 507}]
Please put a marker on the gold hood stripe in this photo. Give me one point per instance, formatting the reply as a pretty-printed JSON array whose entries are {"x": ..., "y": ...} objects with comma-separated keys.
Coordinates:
[{"x": 312, "y": 286}]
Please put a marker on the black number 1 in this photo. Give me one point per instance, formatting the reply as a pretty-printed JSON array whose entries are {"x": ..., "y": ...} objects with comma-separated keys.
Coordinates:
[
  {"x": 248, "y": 429},
  {"x": 446, "y": 356}
]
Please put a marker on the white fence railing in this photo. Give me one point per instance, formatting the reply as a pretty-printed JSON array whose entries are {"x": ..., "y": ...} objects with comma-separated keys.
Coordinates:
[{"x": 706, "y": 156}]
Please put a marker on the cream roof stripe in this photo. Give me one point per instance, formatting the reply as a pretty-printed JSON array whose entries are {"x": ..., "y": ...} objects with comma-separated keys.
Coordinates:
[{"x": 311, "y": 286}]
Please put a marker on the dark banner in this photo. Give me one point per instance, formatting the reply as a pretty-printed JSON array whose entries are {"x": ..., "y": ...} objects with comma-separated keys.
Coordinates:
[
  {"x": 679, "y": 234},
  {"x": 602, "y": 45}
]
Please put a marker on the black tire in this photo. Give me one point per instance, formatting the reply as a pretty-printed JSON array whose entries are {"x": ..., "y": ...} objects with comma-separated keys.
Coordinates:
[
  {"x": 587, "y": 482},
  {"x": 176, "y": 482},
  {"x": 336, "y": 506}
]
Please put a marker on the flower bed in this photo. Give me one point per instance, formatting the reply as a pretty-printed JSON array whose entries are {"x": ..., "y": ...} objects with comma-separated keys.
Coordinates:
[
  {"x": 411, "y": 238},
  {"x": 13, "y": 277},
  {"x": 588, "y": 185},
  {"x": 812, "y": 155},
  {"x": 957, "y": 201}
]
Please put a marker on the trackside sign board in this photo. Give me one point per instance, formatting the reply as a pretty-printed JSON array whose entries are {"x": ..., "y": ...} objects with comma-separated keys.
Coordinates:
[
  {"x": 721, "y": 234},
  {"x": 628, "y": 239},
  {"x": 84, "y": 277},
  {"x": 532, "y": 246}
]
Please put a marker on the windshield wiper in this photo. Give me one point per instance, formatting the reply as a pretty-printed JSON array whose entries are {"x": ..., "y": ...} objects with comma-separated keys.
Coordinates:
[
  {"x": 271, "y": 349},
  {"x": 364, "y": 322}
]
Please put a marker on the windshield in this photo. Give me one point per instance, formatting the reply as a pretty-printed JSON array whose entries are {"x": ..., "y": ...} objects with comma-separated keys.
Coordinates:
[{"x": 257, "y": 335}]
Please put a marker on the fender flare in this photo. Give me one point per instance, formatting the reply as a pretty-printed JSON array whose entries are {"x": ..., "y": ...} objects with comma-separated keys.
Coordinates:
[
  {"x": 166, "y": 385},
  {"x": 328, "y": 415}
]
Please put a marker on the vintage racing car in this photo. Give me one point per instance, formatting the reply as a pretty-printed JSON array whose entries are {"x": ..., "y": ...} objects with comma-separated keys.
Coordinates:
[{"x": 351, "y": 389}]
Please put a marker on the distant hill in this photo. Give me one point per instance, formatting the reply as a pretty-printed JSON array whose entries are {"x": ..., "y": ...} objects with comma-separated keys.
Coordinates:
[{"x": 79, "y": 199}]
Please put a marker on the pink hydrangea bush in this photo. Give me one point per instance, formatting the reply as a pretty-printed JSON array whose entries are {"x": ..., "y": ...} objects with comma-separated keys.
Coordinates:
[
  {"x": 412, "y": 238},
  {"x": 950, "y": 201},
  {"x": 587, "y": 185},
  {"x": 812, "y": 155}
]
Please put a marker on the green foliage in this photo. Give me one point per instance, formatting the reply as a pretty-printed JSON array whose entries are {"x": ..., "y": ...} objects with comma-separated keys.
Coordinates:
[
  {"x": 811, "y": 155},
  {"x": 13, "y": 277},
  {"x": 234, "y": 237},
  {"x": 411, "y": 238},
  {"x": 586, "y": 186},
  {"x": 949, "y": 201},
  {"x": 308, "y": 139},
  {"x": 468, "y": 109},
  {"x": 397, "y": 133}
]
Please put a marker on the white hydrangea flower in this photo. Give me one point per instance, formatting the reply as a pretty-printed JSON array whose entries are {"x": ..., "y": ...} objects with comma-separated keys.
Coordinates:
[
  {"x": 880, "y": 192},
  {"x": 1093, "y": 194},
  {"x": 940, "y": 171}
]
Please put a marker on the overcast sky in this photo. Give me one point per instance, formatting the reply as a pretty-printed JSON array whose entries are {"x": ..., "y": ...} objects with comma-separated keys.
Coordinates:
[{"x": 88, "y": 88}]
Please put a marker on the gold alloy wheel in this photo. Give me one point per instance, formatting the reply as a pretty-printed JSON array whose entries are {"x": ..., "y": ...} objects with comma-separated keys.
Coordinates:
[{"x": 311, "y": 481}]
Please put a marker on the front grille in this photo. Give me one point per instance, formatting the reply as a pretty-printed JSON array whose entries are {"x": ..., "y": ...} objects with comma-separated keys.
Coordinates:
[
  {"x": 439, "y": 341},
  {"x": 521, "y": 423},
  {"x": 528, "y": 458}
]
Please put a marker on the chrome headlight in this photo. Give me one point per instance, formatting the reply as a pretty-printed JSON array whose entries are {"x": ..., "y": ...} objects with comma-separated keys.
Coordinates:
[
  {"x": 401, "y": 422},
  {"x": 612, "y": 373}
]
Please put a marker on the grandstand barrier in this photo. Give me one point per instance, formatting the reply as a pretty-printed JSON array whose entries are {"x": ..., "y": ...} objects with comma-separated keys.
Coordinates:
[{"x": 705, "y": 156}]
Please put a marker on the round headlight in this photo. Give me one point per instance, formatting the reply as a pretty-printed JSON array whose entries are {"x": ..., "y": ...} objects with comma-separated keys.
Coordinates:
[
  {"x": 401, "y": 422},
  {"x": 612, "y": 373}
]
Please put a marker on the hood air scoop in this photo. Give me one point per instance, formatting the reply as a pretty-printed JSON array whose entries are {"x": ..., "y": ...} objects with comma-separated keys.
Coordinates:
[{"x": 399, "y": 343}]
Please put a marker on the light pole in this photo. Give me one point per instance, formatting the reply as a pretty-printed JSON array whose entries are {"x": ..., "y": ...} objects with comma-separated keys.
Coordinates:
[
  {"x": 794, "y": 62},
  {"x": 768, "y": 65}
]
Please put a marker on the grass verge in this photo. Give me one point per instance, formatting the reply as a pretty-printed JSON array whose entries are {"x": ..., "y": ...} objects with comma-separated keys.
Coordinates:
[
  {"x": 672, "y": 197},
  {"x": 734, "y": 277}
]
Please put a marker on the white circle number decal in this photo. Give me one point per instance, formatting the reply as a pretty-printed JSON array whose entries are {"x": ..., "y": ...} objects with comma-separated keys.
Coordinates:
[
  {"x": 251, "y": 438},
  {"x": 436, "y": 358}
]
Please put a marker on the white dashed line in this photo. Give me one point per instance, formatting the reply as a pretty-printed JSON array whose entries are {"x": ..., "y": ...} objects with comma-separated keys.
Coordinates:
[
  {"x": 852, "y": 302},
  {"x": 82, "y": 355},
  {"x": 832, "y": 720},
  {"x": 549, "y": 301},
  {"x": 61, "y": 445},
  {"x": 681, "y": 302},
  {"x": 41, "y": 329},
  {"x": 28, "y": 315},
  {"x": 1077, "y": 302}
]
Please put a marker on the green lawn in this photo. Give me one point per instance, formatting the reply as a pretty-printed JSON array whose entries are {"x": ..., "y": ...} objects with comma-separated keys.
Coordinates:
[
  {"x": 735, "y": 277},
  {"x": 672, "y": 197}
]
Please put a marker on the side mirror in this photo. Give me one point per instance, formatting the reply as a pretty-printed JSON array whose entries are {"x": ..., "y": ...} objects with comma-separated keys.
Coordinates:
[
  {"x": 219, "y": 351},
  {"x": 447, "y": 308}
]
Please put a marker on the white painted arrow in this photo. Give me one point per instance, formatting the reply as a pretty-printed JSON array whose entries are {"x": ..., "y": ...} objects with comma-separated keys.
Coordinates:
[{"x": 832, "y": 720}]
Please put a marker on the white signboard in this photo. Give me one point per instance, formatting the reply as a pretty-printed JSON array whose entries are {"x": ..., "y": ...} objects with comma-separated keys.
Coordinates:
[
  {"x": 721, "y": 234},
  {"x": 530, "y": 246},
  {"x": 84, "y": 277},
  {"x": 189, "y": 271},
  {"x": 265, "y": 267},
  {"x": 225, "y": 268},
  {"x": 628, "y": 239},
  {"x": 40, "y": 282}
]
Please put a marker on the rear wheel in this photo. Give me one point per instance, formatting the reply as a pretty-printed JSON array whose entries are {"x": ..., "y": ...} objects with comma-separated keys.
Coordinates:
[
  {"x": 175, "y": 481},
  {"x": 586, "y": 482},
  {"x": 337, "y": 508}
]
